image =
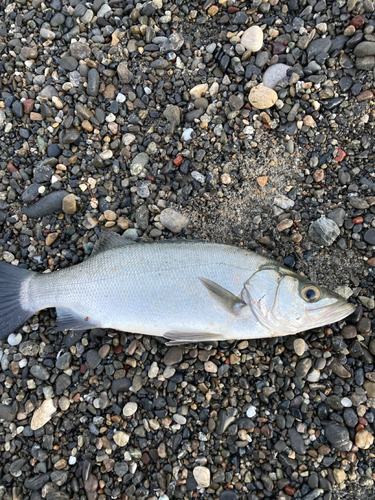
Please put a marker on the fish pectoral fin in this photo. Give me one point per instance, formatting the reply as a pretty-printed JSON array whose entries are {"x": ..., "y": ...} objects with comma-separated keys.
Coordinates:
[
  {"x": 177, "y": 338},
  {"x": 224, "y": 297},
  {"x": 70, "y": 320},
  {"x": 108, "y": 240}
]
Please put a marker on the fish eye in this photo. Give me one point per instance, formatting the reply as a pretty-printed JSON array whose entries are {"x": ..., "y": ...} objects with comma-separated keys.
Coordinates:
[{"x": 310, "y": 293}]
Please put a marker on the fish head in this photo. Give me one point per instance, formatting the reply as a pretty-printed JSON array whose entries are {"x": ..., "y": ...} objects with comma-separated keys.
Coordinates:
[{"x": 286, "y": 303}]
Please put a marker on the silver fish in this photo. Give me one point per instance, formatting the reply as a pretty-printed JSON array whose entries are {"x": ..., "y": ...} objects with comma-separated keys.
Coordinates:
[{"x": 184, "y": 291}]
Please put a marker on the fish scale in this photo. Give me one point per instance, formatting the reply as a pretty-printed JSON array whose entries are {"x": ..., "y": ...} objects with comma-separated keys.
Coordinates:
[{"x": 183, "y": 290}]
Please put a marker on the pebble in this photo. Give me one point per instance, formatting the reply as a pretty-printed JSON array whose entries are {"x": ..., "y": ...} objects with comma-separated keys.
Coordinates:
[
  {"x": 364, "y": 439},
  {"x": 202, "y": 476},
  {"x": 46, "y": 205},
  {"x": 121, "y": 438},
  {"x": 69, "y": 204},
  {"x": 338, "y": 436},
  {"x": 299, "y": 346},
  {"x": 130, "y": 409},
  {"x": 252, "y": 39},
  {"x": 42, "y": 415},
  {"x": 262, "y": 97},
  {"x": 275, "y": 74},
  {"x": 324, "y": 231},
  {"x": 173, "y": 220},
  {"x": 14, "y": 339}
]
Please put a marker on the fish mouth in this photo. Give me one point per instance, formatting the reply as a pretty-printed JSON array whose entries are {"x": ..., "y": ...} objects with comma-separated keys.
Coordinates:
[{"x": 333, "y": 313}]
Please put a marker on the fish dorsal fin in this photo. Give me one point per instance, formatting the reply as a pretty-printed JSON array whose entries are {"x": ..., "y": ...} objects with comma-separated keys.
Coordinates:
[
  {"x": 224, "y": 297},
  {"x": 108, "y": 240}
]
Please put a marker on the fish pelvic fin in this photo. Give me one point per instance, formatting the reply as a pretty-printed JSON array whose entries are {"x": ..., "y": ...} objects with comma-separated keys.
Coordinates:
[
  {"x": 109, "y": 240},
  {"x": 178, "y": 338},
  {"x": 224, "y": 297},
  {"x": 13, "y": 297},
  {"x": 70, "y": 320}
]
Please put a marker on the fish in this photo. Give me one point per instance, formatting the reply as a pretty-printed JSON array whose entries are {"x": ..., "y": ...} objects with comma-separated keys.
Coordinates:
[{"x": 182, "y": 290}]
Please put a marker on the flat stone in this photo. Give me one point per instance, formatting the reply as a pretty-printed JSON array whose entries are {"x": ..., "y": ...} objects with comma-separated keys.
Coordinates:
[
  {"x": 7, "y": 413},
  {"x": 46, "y": 205},
  {"x": 124, "y": 74},
  {"x": 173, "y": 220},
  {"x": 42, "y": 415},
  {"x": 276, "y": 75},
  {"x": 69, "y": 204},
  {"x": 364, "y": 49},
  {"x": 138, "y": 163},
  {"x": 252, "y": 39},
  {"x": 173, "y": 356},
  {"x": 296, "y": 441},
  {"x": 121, "y": 438},
  {"x": 262, "y": 97},
  {"x": 369, "y": 237},
  {"x": 130, "y": 409},
  {"x": 79, "y": 50},
  {"x": 69, "y": 63}
]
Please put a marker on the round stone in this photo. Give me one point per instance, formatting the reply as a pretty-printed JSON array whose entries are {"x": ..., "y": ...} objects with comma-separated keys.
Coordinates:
[
  {"x": 251, "y": 412},
  {"x": 121, "y": 438},
  {"x": 252, "y": 39},
  {"x": 202, "y": 476},
  {"x": 69, "y": 205},
  {"x": 129, "y": 409},
  {"x": 262, "y": 97},
  {"x": 14, "y": 339}
]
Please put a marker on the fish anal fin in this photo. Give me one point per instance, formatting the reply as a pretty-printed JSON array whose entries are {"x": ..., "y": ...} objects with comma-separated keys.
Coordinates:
[
  {"x": 178, "y": 338},
  {"x": 70, "y": 320},
  {"x": 224, "y": 297},
  {"x": 108, "y": 240}
]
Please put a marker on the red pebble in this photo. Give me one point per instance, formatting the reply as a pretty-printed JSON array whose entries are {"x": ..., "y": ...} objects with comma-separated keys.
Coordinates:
[
  {"x": 362, "y": 421},
  {"x": 340, "y": 155},
  {"x": 357, "y": 22},
  {"x": 177, "y": 161},
  {"x": 232, "y": 10},
  {"x": 11, "y": 168},
  {"x": 118, "y": 348},
  {"x": 289, "y": 490},
  {"x": 248, "y": 106},
  {"x": 359, "y": 427},
  {"x": 28, "y": 105},
  {"x": 358, "y": 220},
  {"x": 83, "y": 369}
]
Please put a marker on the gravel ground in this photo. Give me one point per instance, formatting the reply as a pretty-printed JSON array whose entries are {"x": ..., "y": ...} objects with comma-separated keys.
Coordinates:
[{"x": 249, "y": 123}]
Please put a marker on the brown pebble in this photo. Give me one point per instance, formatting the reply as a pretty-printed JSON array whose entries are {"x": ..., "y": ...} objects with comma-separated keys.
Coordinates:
[
  {"x": 118, "y": 348},
  {"x": 371, "y": 262},
  {"x": 145, "y": 458},
  {"x": 104, "y": 351},
  {"x": 91, "y": 484},
  {"x": 365, "y": 95},
  {"x": 324, "y": 450},
  {"x": 318, "y": 175},
  {"x": 349, "y": 332},
  {"x": 357, "y": 21},
  {"x": 265, "y": 430}
]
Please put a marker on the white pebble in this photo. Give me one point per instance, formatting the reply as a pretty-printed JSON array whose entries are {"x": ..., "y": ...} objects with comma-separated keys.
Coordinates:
[
  {"x": 346, "y": 402},
  {"x": 120, "y": 97},
  {"x": 251, "y": 412},
  {"x": 313, "y": 376},
  {"x": 14, "y": 339},
  {"x": 129, "y": 409},
  {"x": 72, "y": 460},
  {"x": 186, "y": 134},
  {"x": 153, "y": 371},
  {"x": 299, "y": 346}
]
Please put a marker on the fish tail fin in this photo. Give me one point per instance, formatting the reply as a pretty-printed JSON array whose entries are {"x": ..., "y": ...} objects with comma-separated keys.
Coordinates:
[{"x": 13, "y": 285}]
